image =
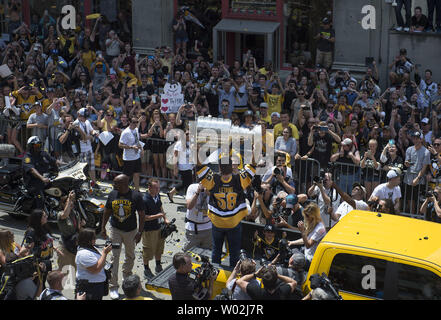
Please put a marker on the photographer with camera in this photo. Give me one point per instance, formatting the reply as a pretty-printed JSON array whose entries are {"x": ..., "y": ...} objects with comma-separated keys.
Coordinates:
[
  {"x": 261, "y": 203},
  {"x": 350, "y": 173},
  {"x": 275, "y": 286},
  {"x": 182, "y": 286},
  {"x": 327, "y": 197},
  {"x": 70, "y": 138},
  {"x": 91, "y": 277},
  {"x": 121, "y": 207},
  {"x": 431, "y": 208},
  {"x": 280, "y": 177},
  {"x": 320, "y": 140},
  {"x": 197, "y": 224},
  {"x": 243, "y": 267}
]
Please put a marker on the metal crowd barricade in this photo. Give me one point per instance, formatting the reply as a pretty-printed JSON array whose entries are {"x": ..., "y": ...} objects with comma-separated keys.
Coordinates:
[
  {"x": 346, "y": 174},
  {"x": 303, "y": 173}
]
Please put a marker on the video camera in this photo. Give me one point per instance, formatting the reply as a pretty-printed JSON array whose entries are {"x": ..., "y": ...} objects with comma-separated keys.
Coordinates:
[
  {"x": 201, "y": 275},
  {"x": 168, "y": 229},
  {"x": 323, "y": 282}
]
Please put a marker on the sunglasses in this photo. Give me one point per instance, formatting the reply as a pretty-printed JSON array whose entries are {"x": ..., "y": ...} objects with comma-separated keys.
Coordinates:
[
  {"x": 437, "y": 144},
  {"x": 134, "y": 122}
]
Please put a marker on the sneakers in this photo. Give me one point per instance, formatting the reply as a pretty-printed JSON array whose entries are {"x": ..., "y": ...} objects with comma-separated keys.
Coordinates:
[
  {"x": 158, "y": 268},
  {"x": 148, "y": 274},
  {"x": 399, "y": 29},
  {"x": 114, "y": 295},
  {"x": 406, "y": 29}
]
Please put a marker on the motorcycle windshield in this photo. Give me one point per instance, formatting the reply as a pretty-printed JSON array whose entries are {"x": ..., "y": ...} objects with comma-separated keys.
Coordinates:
[{"x": 73, "y": 170}]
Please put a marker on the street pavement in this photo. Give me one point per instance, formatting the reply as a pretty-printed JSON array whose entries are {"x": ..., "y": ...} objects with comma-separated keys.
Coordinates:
[{"x": 173, "y": 244}]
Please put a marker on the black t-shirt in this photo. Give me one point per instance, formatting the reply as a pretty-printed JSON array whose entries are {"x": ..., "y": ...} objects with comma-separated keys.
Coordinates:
[
  {"x": 42, "y": 162},
  {"x": 123, "y": 207},
  {"x": 72, "y": 145},
  {"x": 323, "y": 44},
  {"x": 322, "y": 149},
  {"x": 153, "y": 207},
  {"x": 181, "y": 287},
  {"x": 283, "y": 292},
  {"x": 43, "y": 244},
  {"x": 303, "y": 142}
]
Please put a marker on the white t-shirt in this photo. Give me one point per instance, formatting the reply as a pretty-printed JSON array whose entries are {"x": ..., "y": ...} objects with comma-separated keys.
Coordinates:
[
  {"x": 131, "y": 138},
  {"x": 85, "y": 259},
  {"x": 383, "y": 192},
  {"x": 335, "y": 198},
  {"x": 183, "y": 156},
  {"x": 345, "y": 208},
  {"x": 317, "y": 235},
  {"x": 199, "y": 212},
  {"x": 87, "y": 129}
]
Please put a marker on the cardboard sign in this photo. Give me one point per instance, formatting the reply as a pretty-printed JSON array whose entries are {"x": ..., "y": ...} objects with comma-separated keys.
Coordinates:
[
  {"x": 5, "y": 71},
  {"x": 172, "y": 98}
]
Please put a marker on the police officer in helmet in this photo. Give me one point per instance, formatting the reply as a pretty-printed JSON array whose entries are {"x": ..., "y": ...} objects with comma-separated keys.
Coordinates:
[{"x": 37, "y": 163}]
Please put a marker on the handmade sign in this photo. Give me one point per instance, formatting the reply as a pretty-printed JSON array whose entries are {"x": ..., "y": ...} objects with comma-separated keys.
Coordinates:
[{"x": 172, "y": 98}]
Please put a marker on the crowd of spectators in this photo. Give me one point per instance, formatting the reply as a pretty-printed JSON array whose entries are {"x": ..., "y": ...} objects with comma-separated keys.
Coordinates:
[{"x": 362, "y": 146}]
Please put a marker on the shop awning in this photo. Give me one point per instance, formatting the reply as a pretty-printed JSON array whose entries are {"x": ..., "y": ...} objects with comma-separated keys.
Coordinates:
[{"x": 246, "y": 26}]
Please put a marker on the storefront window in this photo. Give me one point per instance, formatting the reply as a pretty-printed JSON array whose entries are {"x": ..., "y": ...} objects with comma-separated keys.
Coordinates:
[{"x": 302, "y": 20}]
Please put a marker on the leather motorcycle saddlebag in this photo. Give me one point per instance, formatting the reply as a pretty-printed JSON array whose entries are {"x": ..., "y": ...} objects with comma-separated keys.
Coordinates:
[{"x": 9, "y": 173}]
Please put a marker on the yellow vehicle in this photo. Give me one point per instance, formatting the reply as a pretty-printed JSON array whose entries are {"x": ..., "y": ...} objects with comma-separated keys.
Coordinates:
[{"x": 373, "y": 256}]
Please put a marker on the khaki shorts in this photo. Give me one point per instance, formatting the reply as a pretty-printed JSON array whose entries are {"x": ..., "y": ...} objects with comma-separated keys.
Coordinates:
[{"x": 152, "y": 245}]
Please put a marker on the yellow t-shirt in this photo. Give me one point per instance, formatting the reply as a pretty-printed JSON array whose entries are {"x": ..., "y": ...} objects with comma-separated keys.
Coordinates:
[
  {"x": 72, "y": 43},
  {"x": 122, "y": 75},
  {"x": 112, "y": 124},
  {"x": 25, "y": 105},
  {"x": 275, "y": 102},
  {"x": 267, "y": 119},
  {"x": 278, "y": 131},
  {"x": 88, "y": 59}
]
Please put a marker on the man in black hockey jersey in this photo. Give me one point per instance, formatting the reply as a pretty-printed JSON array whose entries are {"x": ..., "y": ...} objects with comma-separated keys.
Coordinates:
[{"x": 227, "y": 206}]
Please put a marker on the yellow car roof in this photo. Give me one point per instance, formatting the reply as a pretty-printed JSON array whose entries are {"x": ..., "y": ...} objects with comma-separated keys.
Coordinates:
[{"x": 400, "y": 235}]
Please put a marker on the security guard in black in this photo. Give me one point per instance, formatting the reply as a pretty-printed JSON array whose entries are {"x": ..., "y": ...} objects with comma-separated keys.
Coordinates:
[{"x": 36, "y": 163}]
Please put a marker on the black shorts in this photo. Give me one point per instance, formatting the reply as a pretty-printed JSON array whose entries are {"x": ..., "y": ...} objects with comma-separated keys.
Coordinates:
[{"x": 131, "y": 167}]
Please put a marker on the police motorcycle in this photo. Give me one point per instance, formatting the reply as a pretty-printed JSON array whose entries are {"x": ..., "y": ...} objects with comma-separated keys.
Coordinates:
[{"x": 18, "y": 203}]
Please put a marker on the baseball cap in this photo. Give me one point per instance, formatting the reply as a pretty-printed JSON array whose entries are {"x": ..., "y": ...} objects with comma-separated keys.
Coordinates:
[
  {"x": 361, "y": 187},
  {"x": 325, "y": 21},
  {"x": 248, "y": 113},
  {"x": 291, "y": 201},
  {"x": 264, "y": 105},
  {"x": 275, "y": 114},
  {"x": 269, "y": 227},
  {"x": 416, "y": 134},
  {"x": 346, "y": 142},
  {"x": 298, "y": 259},
  {"x": 425, "y": 120},
  {"x": 82, "y": 112},
  {"x": 392, "y": 174}
]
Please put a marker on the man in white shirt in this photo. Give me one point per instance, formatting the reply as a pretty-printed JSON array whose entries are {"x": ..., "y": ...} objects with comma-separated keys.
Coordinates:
[
  {"x": 197, "y": 224},
  {"x": 389, "y": 190},
  {"x": 132, "y": 146},
  {"x": 327, "y": 199},
  {"x": 86, "y": 154},
  {"x": 355, "y": 201}
]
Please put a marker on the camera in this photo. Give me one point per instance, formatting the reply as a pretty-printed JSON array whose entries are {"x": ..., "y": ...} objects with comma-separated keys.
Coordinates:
[
  {"x": 257, "y": 184},
  {"x": 323, "y": 282},
  {"x": 285, "y": 252},
  {"x": 115, "y": 246},
  {"x": 374, "y": 205},
  {"x": 277, "y": 171},
  {"x": 243, "y": 255},
  {"x": 168, "y": 229},
  {"x": 202, "y": 274}
]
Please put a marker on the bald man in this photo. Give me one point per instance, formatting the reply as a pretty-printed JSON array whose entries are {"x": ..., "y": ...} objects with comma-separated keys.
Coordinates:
[{"x": 121, "y": 207}]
